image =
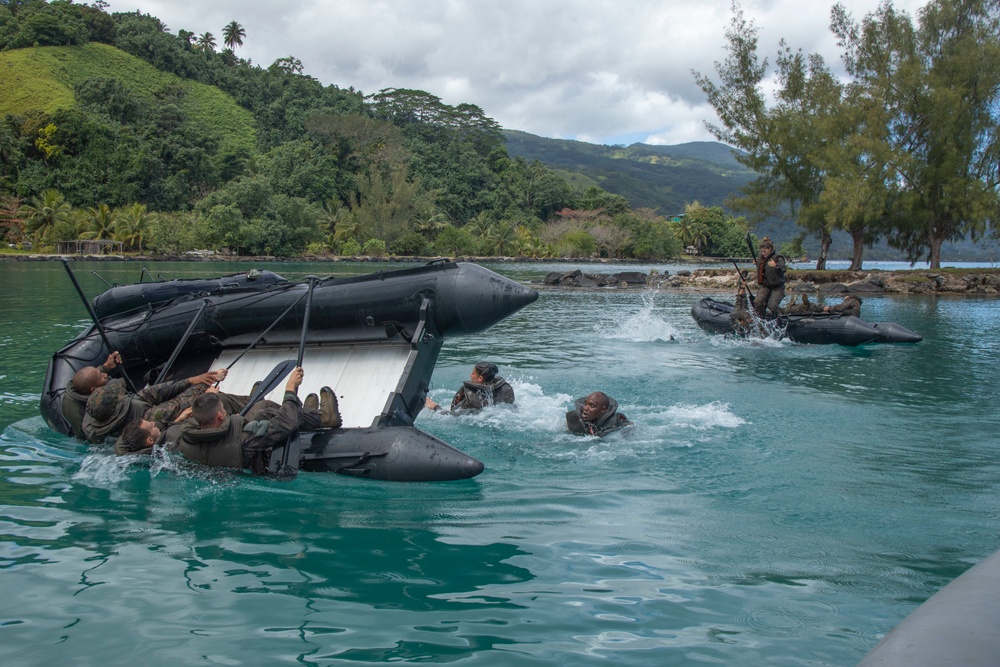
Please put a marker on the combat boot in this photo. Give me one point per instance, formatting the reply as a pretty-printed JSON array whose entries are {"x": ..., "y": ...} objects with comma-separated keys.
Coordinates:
[
  {"x": 311, "y": 402},
  {"x": 329, "y": 409}
]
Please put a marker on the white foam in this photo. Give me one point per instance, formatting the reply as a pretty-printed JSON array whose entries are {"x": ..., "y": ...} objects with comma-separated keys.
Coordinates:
[
  {"x": 702, "y": 417},
  {"x": 641, "y": 327}
]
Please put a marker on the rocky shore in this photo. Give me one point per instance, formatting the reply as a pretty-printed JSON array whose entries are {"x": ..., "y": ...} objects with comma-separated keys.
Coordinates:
[
  {"x": 942, "y": 281},
  {"x": 723, "y": 279}
]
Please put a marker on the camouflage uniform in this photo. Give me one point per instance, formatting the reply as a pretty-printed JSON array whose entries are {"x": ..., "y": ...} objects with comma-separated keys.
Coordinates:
[
  {"x": 850, "y": 306},
  {"x": 771, "y": 281},
  {"x": 111, "y": 407},
  {"x": 243, "y": 443},
  {"x": 74, "y": 406}
]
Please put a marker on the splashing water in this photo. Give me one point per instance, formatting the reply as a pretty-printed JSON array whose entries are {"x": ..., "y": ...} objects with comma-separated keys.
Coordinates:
[{"x": 643, "y": 326}]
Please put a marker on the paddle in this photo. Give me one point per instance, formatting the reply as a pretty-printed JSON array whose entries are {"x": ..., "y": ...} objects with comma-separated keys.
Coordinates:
[
  {"x": 273, "y": 379},
  {"x": 289, "y": 465},
  {"x": 742, "y": 280},
  {"x": 182, "y": 342},
  {"x": 97, "y": 323},
  {"x": 263, "y": 333}
]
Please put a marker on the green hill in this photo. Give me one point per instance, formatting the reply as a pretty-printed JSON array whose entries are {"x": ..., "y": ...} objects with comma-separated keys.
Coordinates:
[
  {"x": 43, "y": 79},
  {"x": 659, "y": 177}
]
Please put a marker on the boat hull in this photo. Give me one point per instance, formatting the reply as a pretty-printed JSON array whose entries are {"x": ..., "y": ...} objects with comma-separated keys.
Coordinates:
[
  {"x": 815, "y": 329},
  {"x": 374, "y": 339}
]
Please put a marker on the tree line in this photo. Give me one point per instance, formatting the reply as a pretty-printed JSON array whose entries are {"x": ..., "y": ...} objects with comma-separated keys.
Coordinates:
[
  {"x": 906, "y": 148},
  {"x": 327, "y": 170}
]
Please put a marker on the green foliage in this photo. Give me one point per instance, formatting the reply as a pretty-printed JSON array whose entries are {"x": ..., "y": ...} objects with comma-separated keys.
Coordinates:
[
  {"x": 270, "y": 160},
  {"x": 411, "y": 244},
  {"x": 907, "y": 145},
  {"x": 453, "y": 242},
  {"x": 658, "y": 177},
  {"x": 350, "y": 247},
  {"x": 576, "y": 243},
  {"x": 374, "y": 248}
]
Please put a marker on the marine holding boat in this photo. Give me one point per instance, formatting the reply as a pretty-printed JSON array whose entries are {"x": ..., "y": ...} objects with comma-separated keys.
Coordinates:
[{"x": 372, "y": 339}]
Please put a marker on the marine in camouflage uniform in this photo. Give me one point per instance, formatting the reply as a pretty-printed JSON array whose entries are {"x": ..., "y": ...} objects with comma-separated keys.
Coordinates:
[
  {"x": 596, "y": 414},
  {"x": 770, "y": 279},
  {"x": 483, "y": 389},
  {"x": 83, "y": 383},
  {"x": 218, "y": 438},
  {"x": 851, "y": 305},
  {"x": 111, "y": 407},
  {"x": 167, "y": 432}
]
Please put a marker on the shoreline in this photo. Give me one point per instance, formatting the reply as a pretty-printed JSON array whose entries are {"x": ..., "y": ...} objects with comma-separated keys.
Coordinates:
[{"x": 967, "y": 281}]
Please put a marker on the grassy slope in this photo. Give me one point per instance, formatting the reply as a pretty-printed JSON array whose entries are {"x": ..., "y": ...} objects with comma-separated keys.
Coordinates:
[{"x": 43, "y": 79}]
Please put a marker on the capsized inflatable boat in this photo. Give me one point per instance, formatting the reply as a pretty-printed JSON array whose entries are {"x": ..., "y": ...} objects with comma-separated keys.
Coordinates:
[
  {"x": 815, "y": 328},
  {"x": 373, "y": 339}
]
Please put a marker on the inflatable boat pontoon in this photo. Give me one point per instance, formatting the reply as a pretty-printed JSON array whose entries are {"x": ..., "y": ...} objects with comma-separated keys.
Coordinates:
[
  {"x": 816, "y": 328},
  {"x": 374, "y": 339}
]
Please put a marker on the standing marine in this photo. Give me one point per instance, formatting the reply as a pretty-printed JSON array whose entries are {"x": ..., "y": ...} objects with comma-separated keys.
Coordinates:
[{"x": 770, "y": 280}]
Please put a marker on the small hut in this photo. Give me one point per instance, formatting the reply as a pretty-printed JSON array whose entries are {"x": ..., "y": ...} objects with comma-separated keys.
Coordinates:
[{"x": 89, "y": 247}]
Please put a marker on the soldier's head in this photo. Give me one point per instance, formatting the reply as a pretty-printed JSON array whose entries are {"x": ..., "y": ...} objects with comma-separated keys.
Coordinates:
[
  {"x": 89, "y": 378},
  {"x": 766, "y": 247},
  {"x": 108, "y": 401},
  {"x": 595, "y": 406},
  {"x": 207, "y": 410},
  {"x": 139, "y": 435},
  {"x": 484, "y": 372}
]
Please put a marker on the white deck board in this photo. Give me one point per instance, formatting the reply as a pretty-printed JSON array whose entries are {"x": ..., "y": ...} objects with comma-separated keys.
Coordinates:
[{"x": 362, "y": 376}]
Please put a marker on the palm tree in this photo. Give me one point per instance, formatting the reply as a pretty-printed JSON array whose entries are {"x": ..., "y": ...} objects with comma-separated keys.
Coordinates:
[
  {"x": 101, "y": 222},
  {"x": 500, "y": 237},
  {"x": 206, "y": 42},
  {"x": 430, "y": 224},
  {"x": 44, "y": 212},
  {"x": 233, "y": 35},
  {"x": 699, "y": 235},
  {"x": 350, "y": 226},
  {"x": 133, "y": 225},
  {"x": 480, "y": 225}
]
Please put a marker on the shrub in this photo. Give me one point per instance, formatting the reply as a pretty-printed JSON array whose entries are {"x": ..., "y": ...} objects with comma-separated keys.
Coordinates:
[{"x": 374, "y": 248}]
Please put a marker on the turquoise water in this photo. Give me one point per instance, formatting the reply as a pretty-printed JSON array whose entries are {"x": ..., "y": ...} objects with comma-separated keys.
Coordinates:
[{"x": 777, "y": 504}]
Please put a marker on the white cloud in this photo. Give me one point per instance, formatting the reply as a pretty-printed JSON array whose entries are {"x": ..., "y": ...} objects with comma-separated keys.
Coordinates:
[{"x": 602, "y": 71}]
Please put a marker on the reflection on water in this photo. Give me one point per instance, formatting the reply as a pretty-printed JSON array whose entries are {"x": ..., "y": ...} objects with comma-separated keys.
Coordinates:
[{"x": 776, "y": 504}]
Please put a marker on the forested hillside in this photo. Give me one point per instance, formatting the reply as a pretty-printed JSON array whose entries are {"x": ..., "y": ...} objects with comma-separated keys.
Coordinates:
[{"x": 114, "y": 128}]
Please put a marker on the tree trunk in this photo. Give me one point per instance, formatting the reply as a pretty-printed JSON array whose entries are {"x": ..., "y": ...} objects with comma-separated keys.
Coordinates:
[
  {"x": 858, "y": 236},
  {"x": 824, "y": 249},
  {"x": 935, "y": 243}
]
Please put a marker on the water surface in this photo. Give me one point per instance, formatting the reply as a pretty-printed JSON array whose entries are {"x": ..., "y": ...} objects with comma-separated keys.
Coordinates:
[{"x": 777, "y": 504}]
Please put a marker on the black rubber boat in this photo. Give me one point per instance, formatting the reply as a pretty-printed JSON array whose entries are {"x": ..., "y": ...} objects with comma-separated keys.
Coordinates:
[
  {"x": 816, "y": 328},
  {"x": 374, "y": 339},
  {"x": 122, "y": 298}
]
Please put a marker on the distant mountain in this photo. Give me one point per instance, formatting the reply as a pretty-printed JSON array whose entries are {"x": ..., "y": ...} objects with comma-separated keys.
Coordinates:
[{"x": 665, "y": 178}]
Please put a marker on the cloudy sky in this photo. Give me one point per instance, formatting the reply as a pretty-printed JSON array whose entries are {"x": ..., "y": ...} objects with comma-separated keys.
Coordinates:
[{"x": 602, "y": 71}]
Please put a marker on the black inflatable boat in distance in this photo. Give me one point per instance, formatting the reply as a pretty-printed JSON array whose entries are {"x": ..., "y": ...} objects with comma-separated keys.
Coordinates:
[
  {"x": 817, "y": 328},
  {"x": 374, "y": 339}
]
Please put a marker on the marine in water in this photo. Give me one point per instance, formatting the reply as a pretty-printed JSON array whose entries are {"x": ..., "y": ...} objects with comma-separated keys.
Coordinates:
[
  {"x": 483, "y": 389},
  {"x": 217, "y": 438},
  {"x": 78, "y": 390},
  {"x": 596, "y": 414},
  {"x": 111, "y": 406}
]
